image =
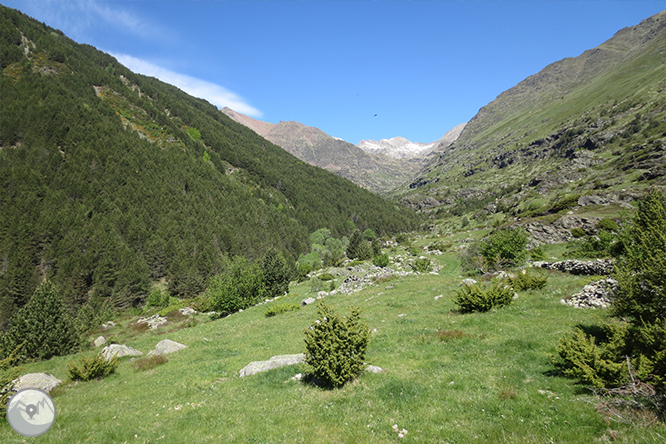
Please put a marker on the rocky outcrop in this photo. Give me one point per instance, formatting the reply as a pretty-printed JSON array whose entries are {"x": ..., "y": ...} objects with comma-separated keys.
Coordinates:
[
  {"x": 560, "y": 230},
  {"x": 119, "y": 350},
  {"x": 275, "y": 362},
  {"x": 101, "y": 340},
  {"x": 42, "y": 381},
  {"x": 588, "y": 268},
  {"x": 597, "y": 294},
  {"x": 153, "y": 321}
]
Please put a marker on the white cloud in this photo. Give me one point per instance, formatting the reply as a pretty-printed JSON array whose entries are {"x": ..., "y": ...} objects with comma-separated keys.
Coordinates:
[{"x": 215, "y": 94}]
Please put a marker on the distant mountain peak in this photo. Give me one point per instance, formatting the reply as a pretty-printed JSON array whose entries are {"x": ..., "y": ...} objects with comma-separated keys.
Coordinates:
[{"x": 402, "y": 148}]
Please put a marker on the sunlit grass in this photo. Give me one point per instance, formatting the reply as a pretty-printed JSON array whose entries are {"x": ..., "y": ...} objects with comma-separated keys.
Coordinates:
[{"x": 448, "y": 377}]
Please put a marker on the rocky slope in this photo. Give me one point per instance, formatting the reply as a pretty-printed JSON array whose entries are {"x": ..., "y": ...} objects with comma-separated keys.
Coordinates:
[
  {"x": 589, "y": 125},
  {"x": 374, "y": 171}
]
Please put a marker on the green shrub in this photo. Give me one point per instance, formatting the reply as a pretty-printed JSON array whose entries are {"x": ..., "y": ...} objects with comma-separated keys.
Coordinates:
[
  {"x": 95, "y": 367},
  {"x": 526, "y": 280},
  {"x": 276, "y": 275},
  {"x": 281, "y": 308},
  {"x": 422, "y": 265},
  {"x": 641, "y": 272},
  {"x": 609, "y": 225},
  {"x": 336, "y": 346},
  {"x": 414, "y": 251},
  {"x": 369, "y": 235},
  {"x": 578, "y": 232},
  {"x": 564, "y": 204},
  {"x": 7, "y": 374},
  {"x": 580, "y": 357},
  {"x": 381, "y": 260},
  {"x": 326, "y": 277},
  {"x": 504, "y": 248},
  {"x": 602, "y": 245},
  {"x": 364, "y": 250},
  {"x": 157, "y": 298},
  {"x": 472, "y": 298},
  {"x": 401, "y": 239},
  {"x": 43, "y": 326},
  {"x": 238, "y": 287},
  {"x": 441, "y": 246},
  {"x": 537, "y": 254}
]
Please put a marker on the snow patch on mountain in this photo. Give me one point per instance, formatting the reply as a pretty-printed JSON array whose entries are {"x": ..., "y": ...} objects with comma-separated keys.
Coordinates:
[{"x": 401, "y": 148}]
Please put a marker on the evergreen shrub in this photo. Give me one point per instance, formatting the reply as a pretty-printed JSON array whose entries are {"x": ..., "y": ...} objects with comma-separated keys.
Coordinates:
[
  {"x": 505, "y": 248},
  {"x": 239, "y": 286},
  {"x": 422, "y": 265},
  {"x": 335, "y": 346},
  {"x": 281, "y": 308},
  {"x": 95, "y": 367},
  {"x": 275, "y": 273},
  {"x": 381, "y": 260},
  {"x": 43, "y": 326},
  {"x": 471, "y": 298},
  {"x": 526, "y": 280}
]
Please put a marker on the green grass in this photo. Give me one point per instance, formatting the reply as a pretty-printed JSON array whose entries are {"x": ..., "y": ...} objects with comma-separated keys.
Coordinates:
[{"x": 489, "y": 381}]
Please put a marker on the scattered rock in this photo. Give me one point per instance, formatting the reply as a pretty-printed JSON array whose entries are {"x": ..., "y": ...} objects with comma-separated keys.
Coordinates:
[
  {"x": 374, "y": 369},
  {"x": 597, "y": 294},
  {"x": 108, "y": 325},
  {"x": 119, "y": 350},
  {"x": 186, "y": 311},
  {"x": 166, "y": 346},
  {"x": 101, "y": 340},
  {"x": 467, "y": 282},
  {"x": 42, "y": 381},
  {"x": 439, "y": 296},
  {"x": 307, "y": 301},
  {"x": 153, "y": 321},
  {"x": 599, "y": 267},
  {"x": 275, "y": 362}
]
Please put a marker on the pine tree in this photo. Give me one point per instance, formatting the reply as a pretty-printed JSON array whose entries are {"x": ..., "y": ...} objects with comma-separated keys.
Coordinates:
[
  {"x": 43, "y": 326},
  {"x": 354, "y": 242},
  {"x": 276, "y": 274}
]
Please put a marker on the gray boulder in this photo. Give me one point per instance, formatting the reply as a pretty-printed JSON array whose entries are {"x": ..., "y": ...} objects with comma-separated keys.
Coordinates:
[
  {"x": 275, "y": 362},
  {"x": 166, "y": 346},
  {"x": 101, "y": 340},
  {"x": 42, "y": 381},
  {"x": 374, "y": 369},
  {"x": 307, "y": 301},
  {"x": 119, "y": 350},
  {"x": 467, "y": 282}
]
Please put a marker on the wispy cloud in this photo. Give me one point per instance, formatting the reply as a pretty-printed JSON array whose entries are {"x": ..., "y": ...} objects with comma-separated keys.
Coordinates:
[
  {"x": 80, "y": 18},
  {"x": 215, "y": 94}
]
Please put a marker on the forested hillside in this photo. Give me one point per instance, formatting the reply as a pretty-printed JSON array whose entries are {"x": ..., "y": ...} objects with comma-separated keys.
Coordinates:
[{"x": 110, "y": 180}]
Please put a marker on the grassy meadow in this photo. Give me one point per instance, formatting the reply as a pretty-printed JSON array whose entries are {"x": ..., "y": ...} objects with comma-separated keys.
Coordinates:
[{"x": 449, "y": 377}]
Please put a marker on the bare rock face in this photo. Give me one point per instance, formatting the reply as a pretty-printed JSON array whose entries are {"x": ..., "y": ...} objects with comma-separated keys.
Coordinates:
[
  {"x": 587, "y": 268},
  {"x": 119, "y": 350},
  {"x": 275, "y": 362}
]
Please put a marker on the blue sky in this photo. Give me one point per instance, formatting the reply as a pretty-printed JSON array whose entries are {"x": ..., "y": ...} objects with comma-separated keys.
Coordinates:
[{"x": 421, "y": 66}]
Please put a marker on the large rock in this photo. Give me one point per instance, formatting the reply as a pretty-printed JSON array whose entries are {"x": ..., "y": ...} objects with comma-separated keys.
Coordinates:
[
  {"x": 42, "y": 381},
  {"x": 275, "y": 362},
  {"x": 166, "y": 346},
  {"x": 119, "y": 350},
  {"x": 307, "y": 301},
  {"x": 101, "y": 340}
]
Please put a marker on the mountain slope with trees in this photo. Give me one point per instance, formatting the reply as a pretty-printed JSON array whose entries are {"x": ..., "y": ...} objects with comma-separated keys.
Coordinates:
[
  {"x": 373, "y": 171},
  {"x": 593, "y": 124},
  {"x": 111, "y": 181}
]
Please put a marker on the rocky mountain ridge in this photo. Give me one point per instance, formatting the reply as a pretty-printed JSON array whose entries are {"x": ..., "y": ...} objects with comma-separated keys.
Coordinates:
[
  {"x": 374, "y": 171},
  {"x": 401, "y": 148},
  {"x": 586, "y": 125}
]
